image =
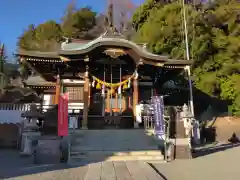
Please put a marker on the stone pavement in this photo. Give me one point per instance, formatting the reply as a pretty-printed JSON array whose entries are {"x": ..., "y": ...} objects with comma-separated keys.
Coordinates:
[
  {"x": 222, "y": 165},
  {"x": 97, "y": 171},
  {"x": 16, "y": 168}
]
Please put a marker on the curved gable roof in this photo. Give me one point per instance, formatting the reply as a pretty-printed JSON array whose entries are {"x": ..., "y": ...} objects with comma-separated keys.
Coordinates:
[
  {"x": 80, "y": 48},
  {"x": 84, "y": 47}
]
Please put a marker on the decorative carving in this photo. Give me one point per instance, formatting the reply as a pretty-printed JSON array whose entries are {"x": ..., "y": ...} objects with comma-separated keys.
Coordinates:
[
  {"x": 140, "y": 62},
  {"x": 160, "y": 64},
  {"x": 114, "y": 53},
  {"x": 86, "y": 59},
  {"x": 64, "y": 59},
  {"x": 22, "y": 59}
]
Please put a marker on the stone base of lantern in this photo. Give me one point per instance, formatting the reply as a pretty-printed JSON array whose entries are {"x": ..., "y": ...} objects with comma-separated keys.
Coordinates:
[
  {"x": 29, "y": 142},
  {"x": 48, "y": 150},
  {"x": 182, "y": 142},
  {"x": 182, "y": 149}
]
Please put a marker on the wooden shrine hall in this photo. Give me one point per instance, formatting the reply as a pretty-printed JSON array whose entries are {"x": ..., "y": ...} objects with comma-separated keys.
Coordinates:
[{"x": 115, "y": 75}]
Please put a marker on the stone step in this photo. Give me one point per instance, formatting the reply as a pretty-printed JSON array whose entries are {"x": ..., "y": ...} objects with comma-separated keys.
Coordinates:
[
  {"x": 115, "y": 145},
  {"x": 115, "y": 158},
  {"x": 120, "y": 148},
  {"x": 116, "y": 153}
]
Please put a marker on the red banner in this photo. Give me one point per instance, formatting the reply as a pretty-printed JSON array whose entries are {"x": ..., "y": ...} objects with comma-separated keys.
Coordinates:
[{"x": 63, "y": 115}]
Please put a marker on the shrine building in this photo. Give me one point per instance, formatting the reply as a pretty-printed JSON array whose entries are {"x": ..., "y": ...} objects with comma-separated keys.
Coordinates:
[{"x": 107, "y": 77}]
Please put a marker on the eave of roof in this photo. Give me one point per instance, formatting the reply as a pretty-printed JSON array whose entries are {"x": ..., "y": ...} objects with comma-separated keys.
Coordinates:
[
  {"x": 37, "y": 54},
  {"x": 74, "y": 48}
]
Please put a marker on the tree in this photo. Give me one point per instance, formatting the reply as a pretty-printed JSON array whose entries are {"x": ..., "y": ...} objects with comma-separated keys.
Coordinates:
[
  {"x": 27, "y": 39},
  {"x": 67, "y": 24},
  {"x": 214, "y": 41},
  {"x": 45, "y": 37},
  {"x": 143, "y": 12},
  {"x": 76, "y": 23},
  {"x": 2, "y": 58}
]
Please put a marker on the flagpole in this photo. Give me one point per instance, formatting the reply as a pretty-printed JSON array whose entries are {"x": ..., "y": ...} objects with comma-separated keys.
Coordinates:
[
  {"x": 195, "y": 130},
  {"x": 188, "y": 58}
]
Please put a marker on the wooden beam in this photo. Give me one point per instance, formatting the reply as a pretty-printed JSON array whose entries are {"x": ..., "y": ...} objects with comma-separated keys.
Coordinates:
[{"x": 85, "y": 101}]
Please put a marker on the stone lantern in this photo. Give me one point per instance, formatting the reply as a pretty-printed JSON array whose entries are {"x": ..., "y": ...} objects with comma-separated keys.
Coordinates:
[
  {"x": 30, "y": 130},
  {"x": 188, "y": 119}
]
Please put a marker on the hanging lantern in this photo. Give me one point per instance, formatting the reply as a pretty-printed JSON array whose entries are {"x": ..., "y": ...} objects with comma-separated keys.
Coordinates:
[
  {"x": 129, "y": 83},
  {"x": 98, "y": 86}
]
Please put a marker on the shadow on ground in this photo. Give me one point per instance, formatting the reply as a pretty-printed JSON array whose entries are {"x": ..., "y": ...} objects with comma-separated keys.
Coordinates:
[
  {"x": 85, "y": 152},
  {"x": 12, "y": 165},
  {"x": 199, "y": 152}
]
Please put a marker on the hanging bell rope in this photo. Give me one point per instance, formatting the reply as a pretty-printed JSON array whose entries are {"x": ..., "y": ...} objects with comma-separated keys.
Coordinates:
[{"x": 114, "y": 85}]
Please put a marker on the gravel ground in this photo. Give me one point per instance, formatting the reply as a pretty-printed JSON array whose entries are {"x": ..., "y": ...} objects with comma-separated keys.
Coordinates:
[{"x": 221, "y": 165}]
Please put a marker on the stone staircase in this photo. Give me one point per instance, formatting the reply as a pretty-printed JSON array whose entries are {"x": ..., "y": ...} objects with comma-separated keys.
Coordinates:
[{"x": 114, "y": 145}]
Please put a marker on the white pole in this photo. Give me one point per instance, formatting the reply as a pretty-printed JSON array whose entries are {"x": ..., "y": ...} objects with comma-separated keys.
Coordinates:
[
  {"x": 196, "y": 134},
  {"x": 188, "y": 58}
]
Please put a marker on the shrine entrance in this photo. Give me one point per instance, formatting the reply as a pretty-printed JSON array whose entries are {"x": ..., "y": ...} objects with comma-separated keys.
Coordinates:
[
  {"x": 114, "y": 100},
  {"x": 113, "y": 84}
]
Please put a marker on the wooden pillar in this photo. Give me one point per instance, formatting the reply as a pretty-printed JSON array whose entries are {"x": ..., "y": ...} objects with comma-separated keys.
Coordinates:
[
  {"x": 108, "y": 103},
  {"x": 135, "y": 100},
  {"x": 116, "y": 103},
  {"x": 85, "y": 101},
  {"x": 58, "y": 90},
  {"x": 89, "y": 94}
]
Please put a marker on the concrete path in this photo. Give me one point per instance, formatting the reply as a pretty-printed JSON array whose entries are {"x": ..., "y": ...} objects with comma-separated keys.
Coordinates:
[{"x": 222, "y": 165}]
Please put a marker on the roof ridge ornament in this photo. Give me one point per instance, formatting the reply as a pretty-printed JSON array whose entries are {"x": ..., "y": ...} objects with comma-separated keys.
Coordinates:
[{"x": 67, "y": 40}]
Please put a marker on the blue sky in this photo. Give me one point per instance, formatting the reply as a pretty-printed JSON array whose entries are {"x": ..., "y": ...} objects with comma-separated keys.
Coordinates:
[{"x": 16, "y": 15}]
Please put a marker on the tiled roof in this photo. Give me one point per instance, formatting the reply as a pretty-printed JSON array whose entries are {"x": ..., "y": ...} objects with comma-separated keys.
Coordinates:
[
  {"x": 38, "y": 81},
  {"x": 17, "y": 94}
]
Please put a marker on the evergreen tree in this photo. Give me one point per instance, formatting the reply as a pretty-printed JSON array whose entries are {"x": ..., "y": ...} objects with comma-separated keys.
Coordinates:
[{"x": 214, "y": 41}]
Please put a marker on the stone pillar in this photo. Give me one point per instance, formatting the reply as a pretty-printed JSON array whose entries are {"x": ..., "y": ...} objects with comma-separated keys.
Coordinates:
[
  {"x": 182, "y": 141},
  {"x": 58, "y": 90},
  {"x": 85, "y": 101},
  {"x": 135, "y": 100}
]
